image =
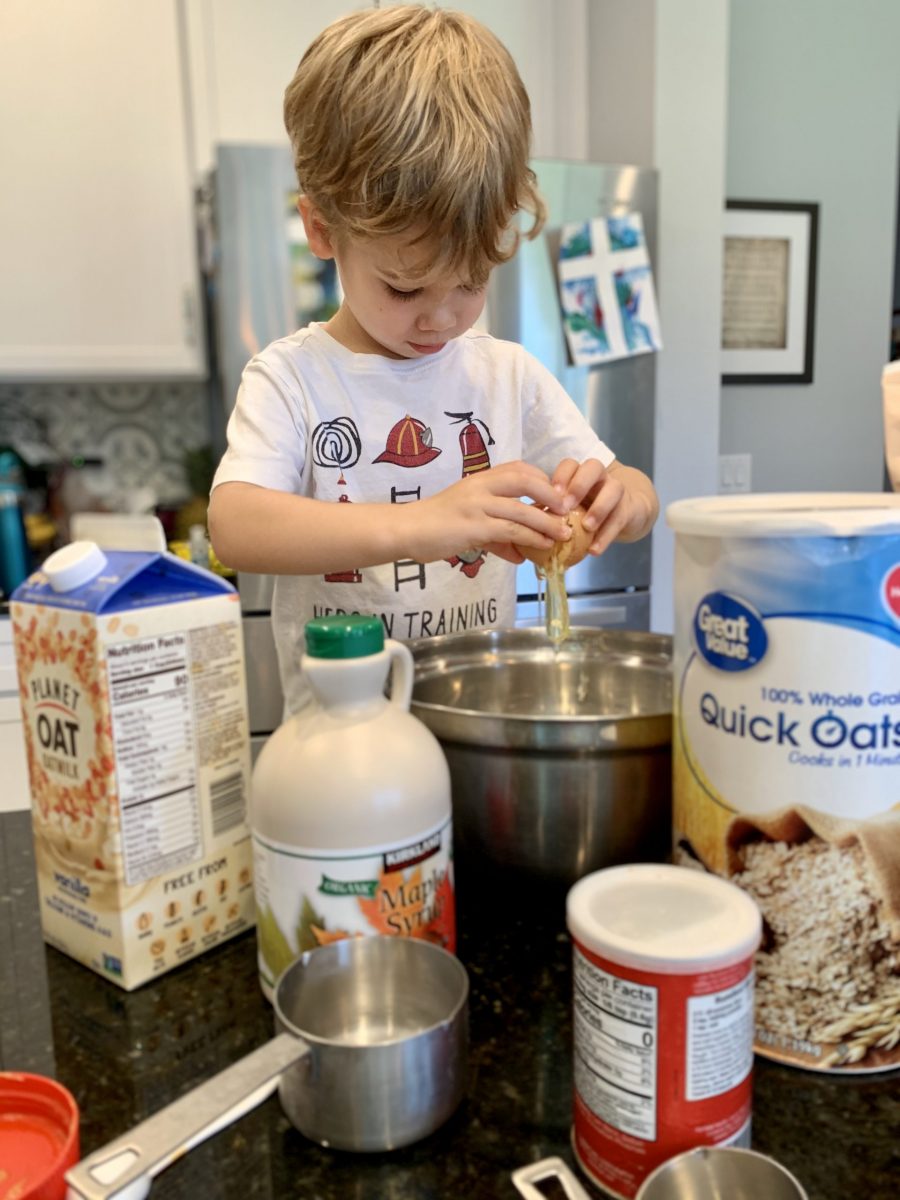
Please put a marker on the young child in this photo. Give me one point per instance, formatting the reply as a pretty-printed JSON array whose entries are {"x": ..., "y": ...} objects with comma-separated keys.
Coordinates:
[{"x": 391, "y": 460}]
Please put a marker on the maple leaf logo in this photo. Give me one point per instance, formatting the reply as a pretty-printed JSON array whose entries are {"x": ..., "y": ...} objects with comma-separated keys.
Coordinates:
[
  {"x": 407, "y": 905},
  {"x": 397, "y": 905}
]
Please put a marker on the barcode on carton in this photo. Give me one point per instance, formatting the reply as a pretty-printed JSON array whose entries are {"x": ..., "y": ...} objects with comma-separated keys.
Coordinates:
[{"x": 227, "y": 803}]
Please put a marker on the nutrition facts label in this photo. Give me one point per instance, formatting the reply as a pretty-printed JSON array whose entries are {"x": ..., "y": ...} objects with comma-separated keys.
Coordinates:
[
  {"x": 719, "y": 1040},
  {"x": 153, "y": 731},
  {"x": 615, "y": 1033}
]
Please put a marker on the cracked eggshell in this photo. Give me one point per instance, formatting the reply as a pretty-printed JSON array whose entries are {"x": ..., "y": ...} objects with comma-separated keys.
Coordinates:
[{"x": 567, "y": 554}]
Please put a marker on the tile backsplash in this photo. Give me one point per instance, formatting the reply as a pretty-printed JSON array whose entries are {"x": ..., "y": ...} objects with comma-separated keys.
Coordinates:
[{"x": 140, "y": 431}]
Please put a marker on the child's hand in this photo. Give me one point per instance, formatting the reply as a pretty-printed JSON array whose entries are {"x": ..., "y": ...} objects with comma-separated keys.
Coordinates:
[
  {"x": 486, "y": 511},
  {"x": 620, "y": 502}
]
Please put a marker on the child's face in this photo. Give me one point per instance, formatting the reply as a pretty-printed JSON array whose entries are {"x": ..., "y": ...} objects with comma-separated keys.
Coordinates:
[{"x": 388, "y": 310}]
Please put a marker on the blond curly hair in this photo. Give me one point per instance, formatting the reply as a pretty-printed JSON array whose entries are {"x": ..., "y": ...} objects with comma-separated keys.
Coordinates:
[{"x": 411, "y": 120}]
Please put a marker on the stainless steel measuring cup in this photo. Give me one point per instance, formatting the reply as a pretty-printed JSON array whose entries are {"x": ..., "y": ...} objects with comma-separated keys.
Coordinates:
[
  {"x": 371, "y": 1055},
  {"x": 711, "y": 1172},
  {"x": 708, "y": 1173}
]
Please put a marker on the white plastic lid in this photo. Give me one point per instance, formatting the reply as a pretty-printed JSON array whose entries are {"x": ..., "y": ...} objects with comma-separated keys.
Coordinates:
[
  {"x": 74, "y": 565},
  {"x": 655, "y": 917},
  {"x": 787, "y": 514}
]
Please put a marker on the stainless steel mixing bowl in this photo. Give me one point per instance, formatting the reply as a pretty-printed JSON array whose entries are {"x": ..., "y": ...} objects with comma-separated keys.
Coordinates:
[{"x": 560, "y": 759}]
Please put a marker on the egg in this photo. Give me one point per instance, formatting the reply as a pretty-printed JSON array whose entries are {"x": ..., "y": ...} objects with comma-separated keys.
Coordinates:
[{"x": 565, "y": 554}]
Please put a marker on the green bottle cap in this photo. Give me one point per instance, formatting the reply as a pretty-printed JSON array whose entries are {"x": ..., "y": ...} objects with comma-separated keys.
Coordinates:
[{"x": 350, "y": 636}]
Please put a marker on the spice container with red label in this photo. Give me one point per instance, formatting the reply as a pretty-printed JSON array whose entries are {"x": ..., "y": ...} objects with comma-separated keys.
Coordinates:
[
  {"x": 350, "y": 806},
  {"x": 663, "y": 1017}
]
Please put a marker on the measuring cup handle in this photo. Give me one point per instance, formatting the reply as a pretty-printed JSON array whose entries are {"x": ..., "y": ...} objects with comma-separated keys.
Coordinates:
[
  {"x": 525, "y": 1179},
  {"x": 402, "y": 671},
  {"x": 132, "y": 1160}
]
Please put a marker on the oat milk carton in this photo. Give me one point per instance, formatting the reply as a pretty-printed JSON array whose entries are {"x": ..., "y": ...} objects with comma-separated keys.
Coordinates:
[{"x": 131, "y": 678}]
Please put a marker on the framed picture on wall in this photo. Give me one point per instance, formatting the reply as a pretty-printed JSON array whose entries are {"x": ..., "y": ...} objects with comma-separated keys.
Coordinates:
[{"x": 769, "y": 291}]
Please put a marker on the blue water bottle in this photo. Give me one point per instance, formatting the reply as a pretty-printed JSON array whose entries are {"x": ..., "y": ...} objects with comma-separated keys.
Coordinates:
[{"x": 14, "y": 557}]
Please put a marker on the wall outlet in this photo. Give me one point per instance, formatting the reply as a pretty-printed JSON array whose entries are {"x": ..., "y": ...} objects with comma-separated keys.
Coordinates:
[{"x": 735, "y": 473}]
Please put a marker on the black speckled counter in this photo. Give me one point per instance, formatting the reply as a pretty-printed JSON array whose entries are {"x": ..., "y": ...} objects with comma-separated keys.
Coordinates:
[{"x": 124, "y": 1055}]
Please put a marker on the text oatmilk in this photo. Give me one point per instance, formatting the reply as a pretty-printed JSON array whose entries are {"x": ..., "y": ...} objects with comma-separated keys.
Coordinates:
[
  {"x": 132, "y": 685},
  {"x": 786, "y": 752}
]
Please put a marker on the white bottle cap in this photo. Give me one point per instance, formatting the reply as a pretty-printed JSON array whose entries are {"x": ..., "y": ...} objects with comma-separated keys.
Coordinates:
[
  {"x": 662, "y": 918},
  {"x": 74, "y": 565}
]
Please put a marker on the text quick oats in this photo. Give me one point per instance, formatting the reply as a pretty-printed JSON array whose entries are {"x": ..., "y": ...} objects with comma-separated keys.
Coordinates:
[
  {"x": 786, "y": 752},
  {"x": 132, "y": 685}
]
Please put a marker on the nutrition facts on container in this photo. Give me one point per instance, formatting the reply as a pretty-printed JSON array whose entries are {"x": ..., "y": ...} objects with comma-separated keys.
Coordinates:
[
  {"x": 153, "y": 730},
  {"x": 615, "y": 1048},
  {"x": 719, "y": 1040}
]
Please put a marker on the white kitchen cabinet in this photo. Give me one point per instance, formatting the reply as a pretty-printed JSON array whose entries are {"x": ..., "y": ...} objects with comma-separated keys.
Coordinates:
[{"x": 100, "y": 271}]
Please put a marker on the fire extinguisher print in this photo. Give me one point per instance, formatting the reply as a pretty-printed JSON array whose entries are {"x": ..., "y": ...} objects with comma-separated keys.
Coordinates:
[
  {"x": 472, "y": 446},
  {"x": 475, "y": 458}
]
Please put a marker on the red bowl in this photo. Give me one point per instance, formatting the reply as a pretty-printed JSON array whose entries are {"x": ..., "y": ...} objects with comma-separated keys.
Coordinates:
[{"x": 38, "y": 1137}]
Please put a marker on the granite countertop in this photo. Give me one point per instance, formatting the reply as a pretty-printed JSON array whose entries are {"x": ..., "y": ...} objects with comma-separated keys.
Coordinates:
[{"x": 125, "y": 1055}]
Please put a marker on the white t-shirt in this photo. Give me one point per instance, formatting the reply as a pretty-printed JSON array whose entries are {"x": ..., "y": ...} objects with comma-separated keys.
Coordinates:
[{"x": 318, "y": 420}]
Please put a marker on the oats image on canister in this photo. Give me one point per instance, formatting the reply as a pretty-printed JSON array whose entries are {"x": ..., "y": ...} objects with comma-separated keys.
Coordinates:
[
  {"x": 157, "y": 947},
  {"x": 828, "y": 974}
]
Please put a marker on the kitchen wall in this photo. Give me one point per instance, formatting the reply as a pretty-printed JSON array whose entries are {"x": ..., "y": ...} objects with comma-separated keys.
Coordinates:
[
  {"x": 813, "y": 107},
  {"x": 141, "y": 431}
]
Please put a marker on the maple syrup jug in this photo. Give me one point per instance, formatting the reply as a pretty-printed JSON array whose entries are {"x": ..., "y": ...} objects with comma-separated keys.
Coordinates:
[{"x": 350, "y": 807}]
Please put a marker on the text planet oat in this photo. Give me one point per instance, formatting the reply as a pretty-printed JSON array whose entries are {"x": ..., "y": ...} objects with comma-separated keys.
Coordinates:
[{"x": 134, "y": 708}]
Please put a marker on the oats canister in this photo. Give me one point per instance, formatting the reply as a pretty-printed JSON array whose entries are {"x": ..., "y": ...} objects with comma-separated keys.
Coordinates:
[
  {"x": 786, "y": 754},
  {"x": 662, "y": 1018}
]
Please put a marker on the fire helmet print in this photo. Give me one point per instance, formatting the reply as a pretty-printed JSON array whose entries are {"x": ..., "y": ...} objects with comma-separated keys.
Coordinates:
[{"x": 409, "y": 444}]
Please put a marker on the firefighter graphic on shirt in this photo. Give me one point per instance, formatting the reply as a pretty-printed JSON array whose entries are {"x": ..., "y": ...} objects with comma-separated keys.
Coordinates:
[
  {"x": 409, "y": 444},
  {"x": 475, "y": 458},
  {"x": 337, "y": 444}
]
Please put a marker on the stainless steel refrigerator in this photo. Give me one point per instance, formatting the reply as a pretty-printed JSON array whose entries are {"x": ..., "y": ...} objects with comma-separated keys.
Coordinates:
[
  {"x": 258, "y": 293},
  {"x": 617, "y": 397}
]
